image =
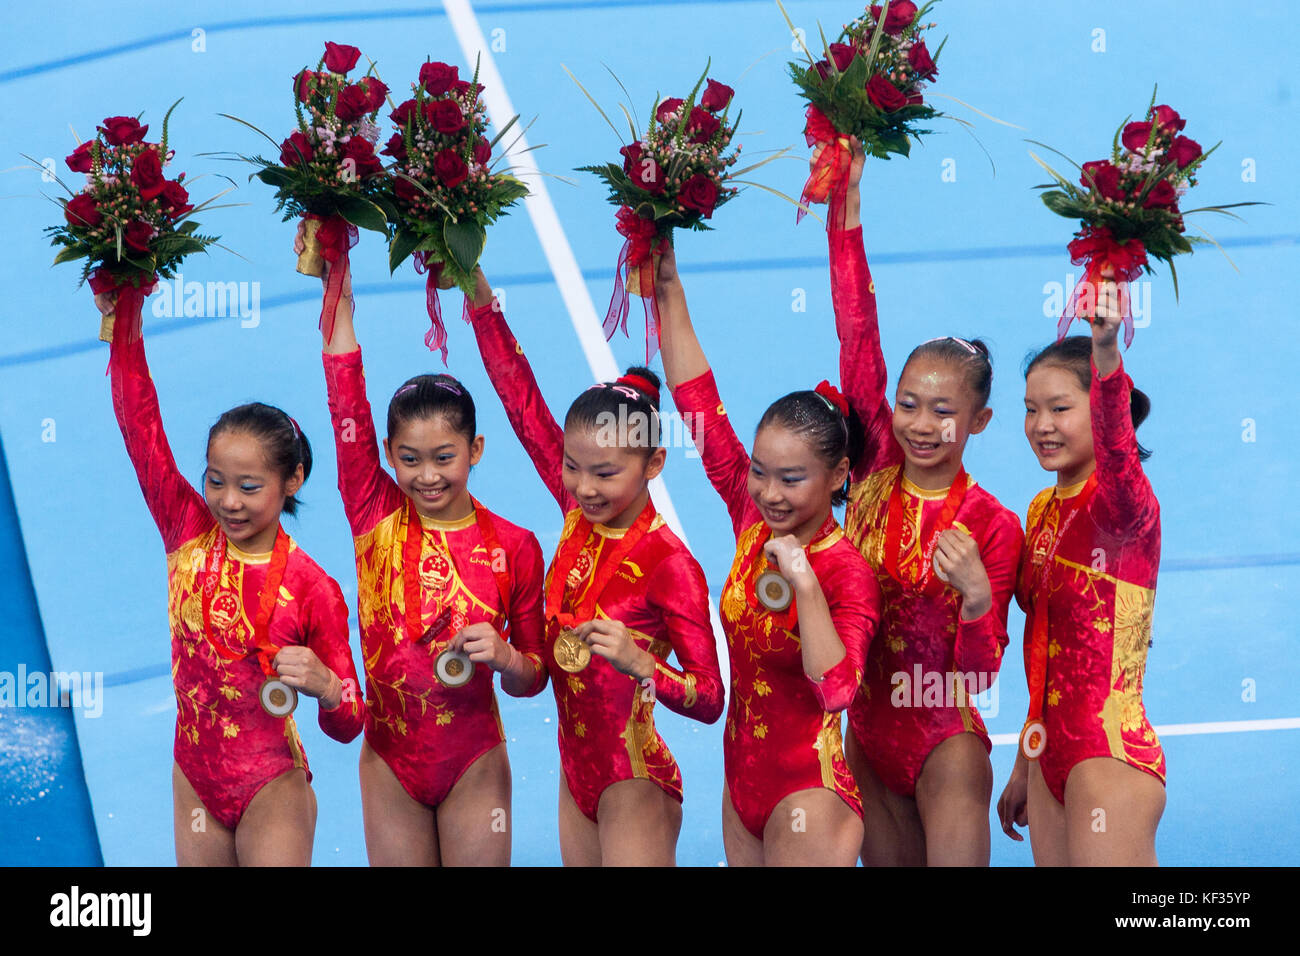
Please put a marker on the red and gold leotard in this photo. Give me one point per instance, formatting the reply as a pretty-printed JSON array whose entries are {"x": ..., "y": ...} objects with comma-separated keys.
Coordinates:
[
  {"x": 926, "y": 659},
  {"x": 1092, "y": 607},
  {"x": 783, "y": 728},
  {"x": 227, "y": 746},
  {"x": 658, "y": 592},
  {"x": 427, "y": 734}
]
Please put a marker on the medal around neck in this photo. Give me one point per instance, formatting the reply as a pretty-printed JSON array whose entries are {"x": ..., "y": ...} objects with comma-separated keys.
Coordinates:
[
  {"x": 277, "y": 698},
  {"x": 773, "y": 591},
  {"x": 1033, "y": 739},
  {"x": 453, "y": 668},
  {"x": 571, "y": 652}
]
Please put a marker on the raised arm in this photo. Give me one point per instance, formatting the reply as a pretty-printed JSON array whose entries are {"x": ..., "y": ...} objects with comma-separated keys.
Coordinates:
[
  {"x": 677, "y": 589},
  {"x": 516, "y": 386},
  {"x": 1124, "y": 504},
  {"x": 177, "y": 509},
  {"x": 863, "y": 376},
  {"x": 695, "y": 394}
]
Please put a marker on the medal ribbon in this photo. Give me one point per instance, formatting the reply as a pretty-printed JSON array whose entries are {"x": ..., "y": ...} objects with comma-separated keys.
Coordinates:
[
  {"x": 411, "y": 548},
  {"x": 266, "y": 599},
  {"x": 1038, "y": 645},
  {"x": 927, "y": 579},
  {"x": 608, "y": 564}
]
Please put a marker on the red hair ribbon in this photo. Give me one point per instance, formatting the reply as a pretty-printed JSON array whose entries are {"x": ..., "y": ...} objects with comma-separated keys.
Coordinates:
[
  {"x": 436, "y": 337},
  {"x": 832, "y": 394},
  {"x": 130, "y": 303},
  {"x": 829, "y": 180},
  {"x": 640, "y": 382},
  {"x": 1096, "y": 249},
  {"x": 335, "y": 236},
  {"x": 636, "y": 257}
]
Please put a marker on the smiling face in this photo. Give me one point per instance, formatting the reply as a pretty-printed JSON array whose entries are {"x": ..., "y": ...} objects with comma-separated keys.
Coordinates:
[
  {"x": 791, "y": 483},
  {"x": 935, "y": 412},
  {"x": 431, "y": 461},
  {"x": 244, "y": 493},
  {"x": 608, "y": 481},
  {"x": 1058, "y": 423}
]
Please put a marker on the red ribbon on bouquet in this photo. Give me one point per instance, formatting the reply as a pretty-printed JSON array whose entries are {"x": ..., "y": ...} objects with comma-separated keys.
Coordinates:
[
  {"x": 130, "y": 303},
  {"x": 1097, "y": 250},
  {"x": 436, "y": 337},
  {"x": 829, "y": 180},
  {"x": 636, "y": 256},
  {"x": 335, "y": 237}
]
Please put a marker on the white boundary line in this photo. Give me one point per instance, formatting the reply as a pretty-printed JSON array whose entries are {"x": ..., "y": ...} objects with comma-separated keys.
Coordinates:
[
  {"x": 559, "y": 255},
  {"x": 1187, "y": 730}
]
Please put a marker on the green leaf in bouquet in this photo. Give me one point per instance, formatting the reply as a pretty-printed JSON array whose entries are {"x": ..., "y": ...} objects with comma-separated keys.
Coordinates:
[
  {"x": 403, "y": 244},
  {"x": 507, "y": 190},
  {"x": 187, "y": 227},
  {"x": 250, "y": 126},
  {"x": 71, "y": 254},
  {"x": 794, "y": 32},
  {"x": 894, "y": 141},
  {"x": 1063, "y": 204},
  {"x": 465, "y": 241},
  {"x": 276, "y": 176},
  {"x": 363, "y": 213},
  {"x": 858, "y": 73}
]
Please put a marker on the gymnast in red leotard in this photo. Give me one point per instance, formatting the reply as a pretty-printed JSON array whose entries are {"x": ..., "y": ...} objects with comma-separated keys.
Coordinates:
[
  {"x": 622, "y": 593},
  {"x": 945, "y": 553},
  {"x": 437, "y": 573},
  {"x": 790, "y": 798},
  {"x": 245, "y": 604},
  {"x": 1089, "y": 778}
]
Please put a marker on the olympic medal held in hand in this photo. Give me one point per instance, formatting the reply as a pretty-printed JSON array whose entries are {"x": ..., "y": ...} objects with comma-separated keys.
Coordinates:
[
  {"x": 774, "y": 591},
  {"x": 453, "y": 668},
  {"x": 571, "y": 652},
  {"x": 277, "y": 698}
]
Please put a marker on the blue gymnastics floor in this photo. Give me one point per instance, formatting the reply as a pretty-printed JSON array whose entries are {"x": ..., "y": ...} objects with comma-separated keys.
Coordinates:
[{"x": 975, "y": 255}]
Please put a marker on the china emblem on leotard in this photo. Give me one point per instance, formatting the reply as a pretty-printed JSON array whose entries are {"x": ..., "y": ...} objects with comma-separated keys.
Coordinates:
[
  {"x": 580, "y": 571},
  {"x": 225, "y": 611},
  {"x": 435, "y": 571}
]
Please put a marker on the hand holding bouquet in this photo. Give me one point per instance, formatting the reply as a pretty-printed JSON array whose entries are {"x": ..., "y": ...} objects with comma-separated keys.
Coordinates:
[
  {"x": 130, "y": 222},
  {"x": 443, "y": 187}
]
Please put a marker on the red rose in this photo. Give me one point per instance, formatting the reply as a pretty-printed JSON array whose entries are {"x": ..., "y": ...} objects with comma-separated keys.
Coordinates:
[
  {"x": 884, "y": 94},
  {"x": 631, "y": 156},
  {"x": 444, "y": 116},
  {"x": 1169, "y": 119},
  {"x": 1184, "y": 151},
  {"x": 122, "y": 130},
  {"x": 359, "y": 150},
  {"x": 702, "y": 125},
  {"x": 647, "y": 174},
  {"x": 305, "y": 83},
  {"x": 396, "y": 148},
  {"x": 1162, "y": 196},
  {"x": 1135, "y": 136},
  {"x": 843, "y": 55},
  {"x": 340, "y": 58},
  {"x": 482, "y": 151},
  {"x": 919, "y": 59},
  {"x": 699, "y": 193},
  {"x": 437, "y": 78},
  {"x": 900, "y": 16},
  {"x": 667, "y": 107},
  {"x": 450, "y": 168},
  {"x": 175, "y": 198},
  {"x": 82, "y": 211},
  {"x": 137, "y": 236},
  {"x": 405, "y": 189},
  {"x": 353, "y": 103},
  {"x": 146, "y": 173},
  {"x": 289, "y": 156},
  {"x": 461, "y": 87},
  {"x": 823, "y": 68},
  {"x": 376, "y": 90},
  {"x": 716, "y": 96},
  {"x": 402, "y": 114},
  {"x": 1105, "y": 180},
  {"x": 81, "y": 159}
]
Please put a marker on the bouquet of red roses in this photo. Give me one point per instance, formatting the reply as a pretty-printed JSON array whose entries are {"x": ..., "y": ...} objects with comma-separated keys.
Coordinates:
[
  {"x": 673, "y": 177},
  {"x": 130, "y": 222},
  {"x": 867, "y": 85},
  {"x": 1129, "y": 209},
  {"x": 443, "y": 187},
  {"x": 328, "y": 171}
]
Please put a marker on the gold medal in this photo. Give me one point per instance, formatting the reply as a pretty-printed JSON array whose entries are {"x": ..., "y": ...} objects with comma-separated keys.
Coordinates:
[
  {"x": 773, "y": 591},
  {"x": 571, "y": 652},
  {"x": 277, "y": 698},
  {"x": 453, "y": 668}
]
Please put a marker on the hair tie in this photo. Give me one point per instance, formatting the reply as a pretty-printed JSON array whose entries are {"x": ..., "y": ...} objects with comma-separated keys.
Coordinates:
[
  {"x": 297, "y": 432},
  {"x": 404, "y": 389},
  {"x": 952, "y": 338},
  {"x": 641, "y": 383},
  {"x": 831, "y": 395},
  {"x": 448, "y": 386}
]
